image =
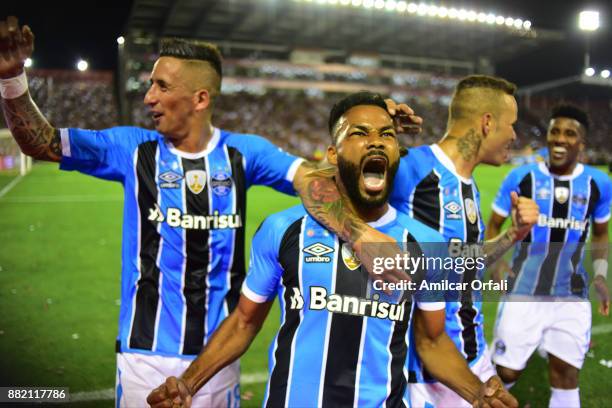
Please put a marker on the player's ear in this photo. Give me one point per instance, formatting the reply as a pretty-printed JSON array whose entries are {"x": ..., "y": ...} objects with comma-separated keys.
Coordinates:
[
  {"x": 332, "y": 155},
  {"x": 486, "y": 123},
  {"x": 201, "y": 99}
]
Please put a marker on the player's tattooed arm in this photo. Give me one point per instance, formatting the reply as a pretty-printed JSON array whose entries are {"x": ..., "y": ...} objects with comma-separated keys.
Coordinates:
[
  {"x": 315, "y": 184},
  {"x": 33, "y": 133},
  {"x": 317, "y": 188}
]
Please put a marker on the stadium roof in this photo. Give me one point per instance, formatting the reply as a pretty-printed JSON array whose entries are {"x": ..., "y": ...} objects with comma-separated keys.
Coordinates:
[{"x": 283, "y": 25}]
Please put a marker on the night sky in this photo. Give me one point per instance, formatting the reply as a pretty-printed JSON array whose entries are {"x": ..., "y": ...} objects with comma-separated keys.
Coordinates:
[{"x": 66, "y": 31}]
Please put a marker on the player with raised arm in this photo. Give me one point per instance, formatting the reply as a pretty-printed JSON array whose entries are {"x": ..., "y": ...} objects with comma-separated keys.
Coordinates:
[
  {"x": 341, "y": 342},
  {"x": 434, "y": 185},
  {"x": 548, "y": 305},
  {"x": 184, "y": 206}
]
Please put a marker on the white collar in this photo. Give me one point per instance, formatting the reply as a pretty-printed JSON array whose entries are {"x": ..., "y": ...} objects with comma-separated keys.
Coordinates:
[
  {"x": 212, "y": 143},
  {"x": 447, "y": 162},
  {"x": 577, "y": 171},
  {"x": 386, "y": 218}
]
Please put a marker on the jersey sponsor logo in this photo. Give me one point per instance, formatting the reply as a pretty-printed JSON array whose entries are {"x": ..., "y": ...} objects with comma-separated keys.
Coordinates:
[
  {"x": 564, "y": 223},
  {"x": 470, "y": 210},
  {"x": 196, "y": 180},
  {"x": 175, "y": 218},
  {"x": 221, "y": 183},
  {"x": 453, "y": 210},
  {"x": 318, "y": 253},
  {"x": 543, "y": 193},
  {"x": 349, "y": 258},
  {"x": 352, "y": 305},
  {"x": 169, "y": 179},
  {"x": 561, "y": 194}
]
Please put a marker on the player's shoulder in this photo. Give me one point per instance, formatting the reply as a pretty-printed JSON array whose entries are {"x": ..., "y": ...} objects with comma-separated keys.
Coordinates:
[
  {"x": 243, "y": 141},
  {"x": 419, "y": 155},
  {"x": 601, "y": 178},
  {"x": 520, "y": 172},
  {"x": 418, "y": 230},
  {"x": 279, "y": 222}
]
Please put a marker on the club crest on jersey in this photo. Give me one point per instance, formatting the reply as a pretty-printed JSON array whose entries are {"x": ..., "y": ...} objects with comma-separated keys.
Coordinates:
[
  {"x": 196, "y": 180},
  {"x": 453, "y": 210},
  {"x": 470, "y": 210},
  {"x": 318, "y": 253},
  {"x": 561, "y": 194},
  {"x": 349, "y": 258},
  {"x": 221, "y": 183},
  {"x": 169, "y": 180}
]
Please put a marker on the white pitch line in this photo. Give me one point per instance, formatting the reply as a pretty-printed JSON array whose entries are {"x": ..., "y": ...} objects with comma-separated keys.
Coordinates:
[
  {"x": 10, "y": 185},
  {"x": 109, "y": 393}
]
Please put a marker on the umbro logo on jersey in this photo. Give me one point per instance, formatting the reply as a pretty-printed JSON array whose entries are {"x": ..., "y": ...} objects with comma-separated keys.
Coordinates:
[
  {"x": 452, "y": 210},
  {"x": 196, "y": 180},
  {"x": 169, "y": 180},
  {"x": 318, "y": 253},
  {"x": 561, "y": 194}
]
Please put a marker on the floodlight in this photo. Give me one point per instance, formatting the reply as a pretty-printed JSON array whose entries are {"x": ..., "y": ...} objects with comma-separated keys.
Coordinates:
[{"x": 588, "y": 20}]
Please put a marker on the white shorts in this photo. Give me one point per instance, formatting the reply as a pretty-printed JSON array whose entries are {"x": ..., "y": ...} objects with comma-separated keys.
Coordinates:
[
  {"x": 439, "y": 395},
  {"x": 560, "y": 328},
  {"x": 139, "y": 374}
]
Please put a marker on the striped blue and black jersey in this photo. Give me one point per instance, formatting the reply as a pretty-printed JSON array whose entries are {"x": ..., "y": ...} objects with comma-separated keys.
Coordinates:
[
  {"x": 548, "y": 262},
  {"x": 428, "y": 188},
  {"x": 183, "y": 227},
  {"x": 341, "y": 342}
]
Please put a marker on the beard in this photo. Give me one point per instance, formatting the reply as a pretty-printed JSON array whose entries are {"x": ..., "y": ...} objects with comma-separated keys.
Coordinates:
[{"x": 350, "y": 174}]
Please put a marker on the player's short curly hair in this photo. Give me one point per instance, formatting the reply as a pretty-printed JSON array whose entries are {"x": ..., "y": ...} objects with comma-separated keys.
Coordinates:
[
  {"x": 350, "y": 101},
  {"x": 192, "y": 50},
  {"x": 571, "y": 111}
]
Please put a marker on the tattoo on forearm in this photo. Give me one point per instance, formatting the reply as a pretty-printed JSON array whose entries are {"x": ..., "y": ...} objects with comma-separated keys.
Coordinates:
[
  {"x": 33, "y": 133},
  {"x": 323, "y": 201},
  {"x": 496, "y": 248},
  {"x": 469, "y": 145}
]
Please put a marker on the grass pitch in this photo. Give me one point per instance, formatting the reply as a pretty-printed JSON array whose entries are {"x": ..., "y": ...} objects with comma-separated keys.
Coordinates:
[{"x": 59, "y": 289}]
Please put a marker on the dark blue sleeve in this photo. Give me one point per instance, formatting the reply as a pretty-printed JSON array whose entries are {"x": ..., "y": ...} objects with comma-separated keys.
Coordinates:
[
  {"x": 265, "y": 271},
  {"x": 502, "y": 203},
  {"x": 104, "y": 153},
  {"x": 267, "y": 164}
]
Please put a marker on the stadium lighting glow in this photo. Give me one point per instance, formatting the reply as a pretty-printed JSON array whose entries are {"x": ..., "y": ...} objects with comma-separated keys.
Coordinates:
[
  {"x": 391, "y": 5},
  {"x": 120, "y": 40},
  {"x": 518, "y": 23},
  {"x": 605, "y": 73},
  {"x": 588, "y": 20},
  {"x": 28, "y": 62},
  {"x": 82, "y": 65},
  {"x": 429, "y": 10},
  {"x": 589, "y": 72}
]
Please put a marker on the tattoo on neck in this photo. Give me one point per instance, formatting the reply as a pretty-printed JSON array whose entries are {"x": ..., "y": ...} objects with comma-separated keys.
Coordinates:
[{"x": 469, "y": 145}]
